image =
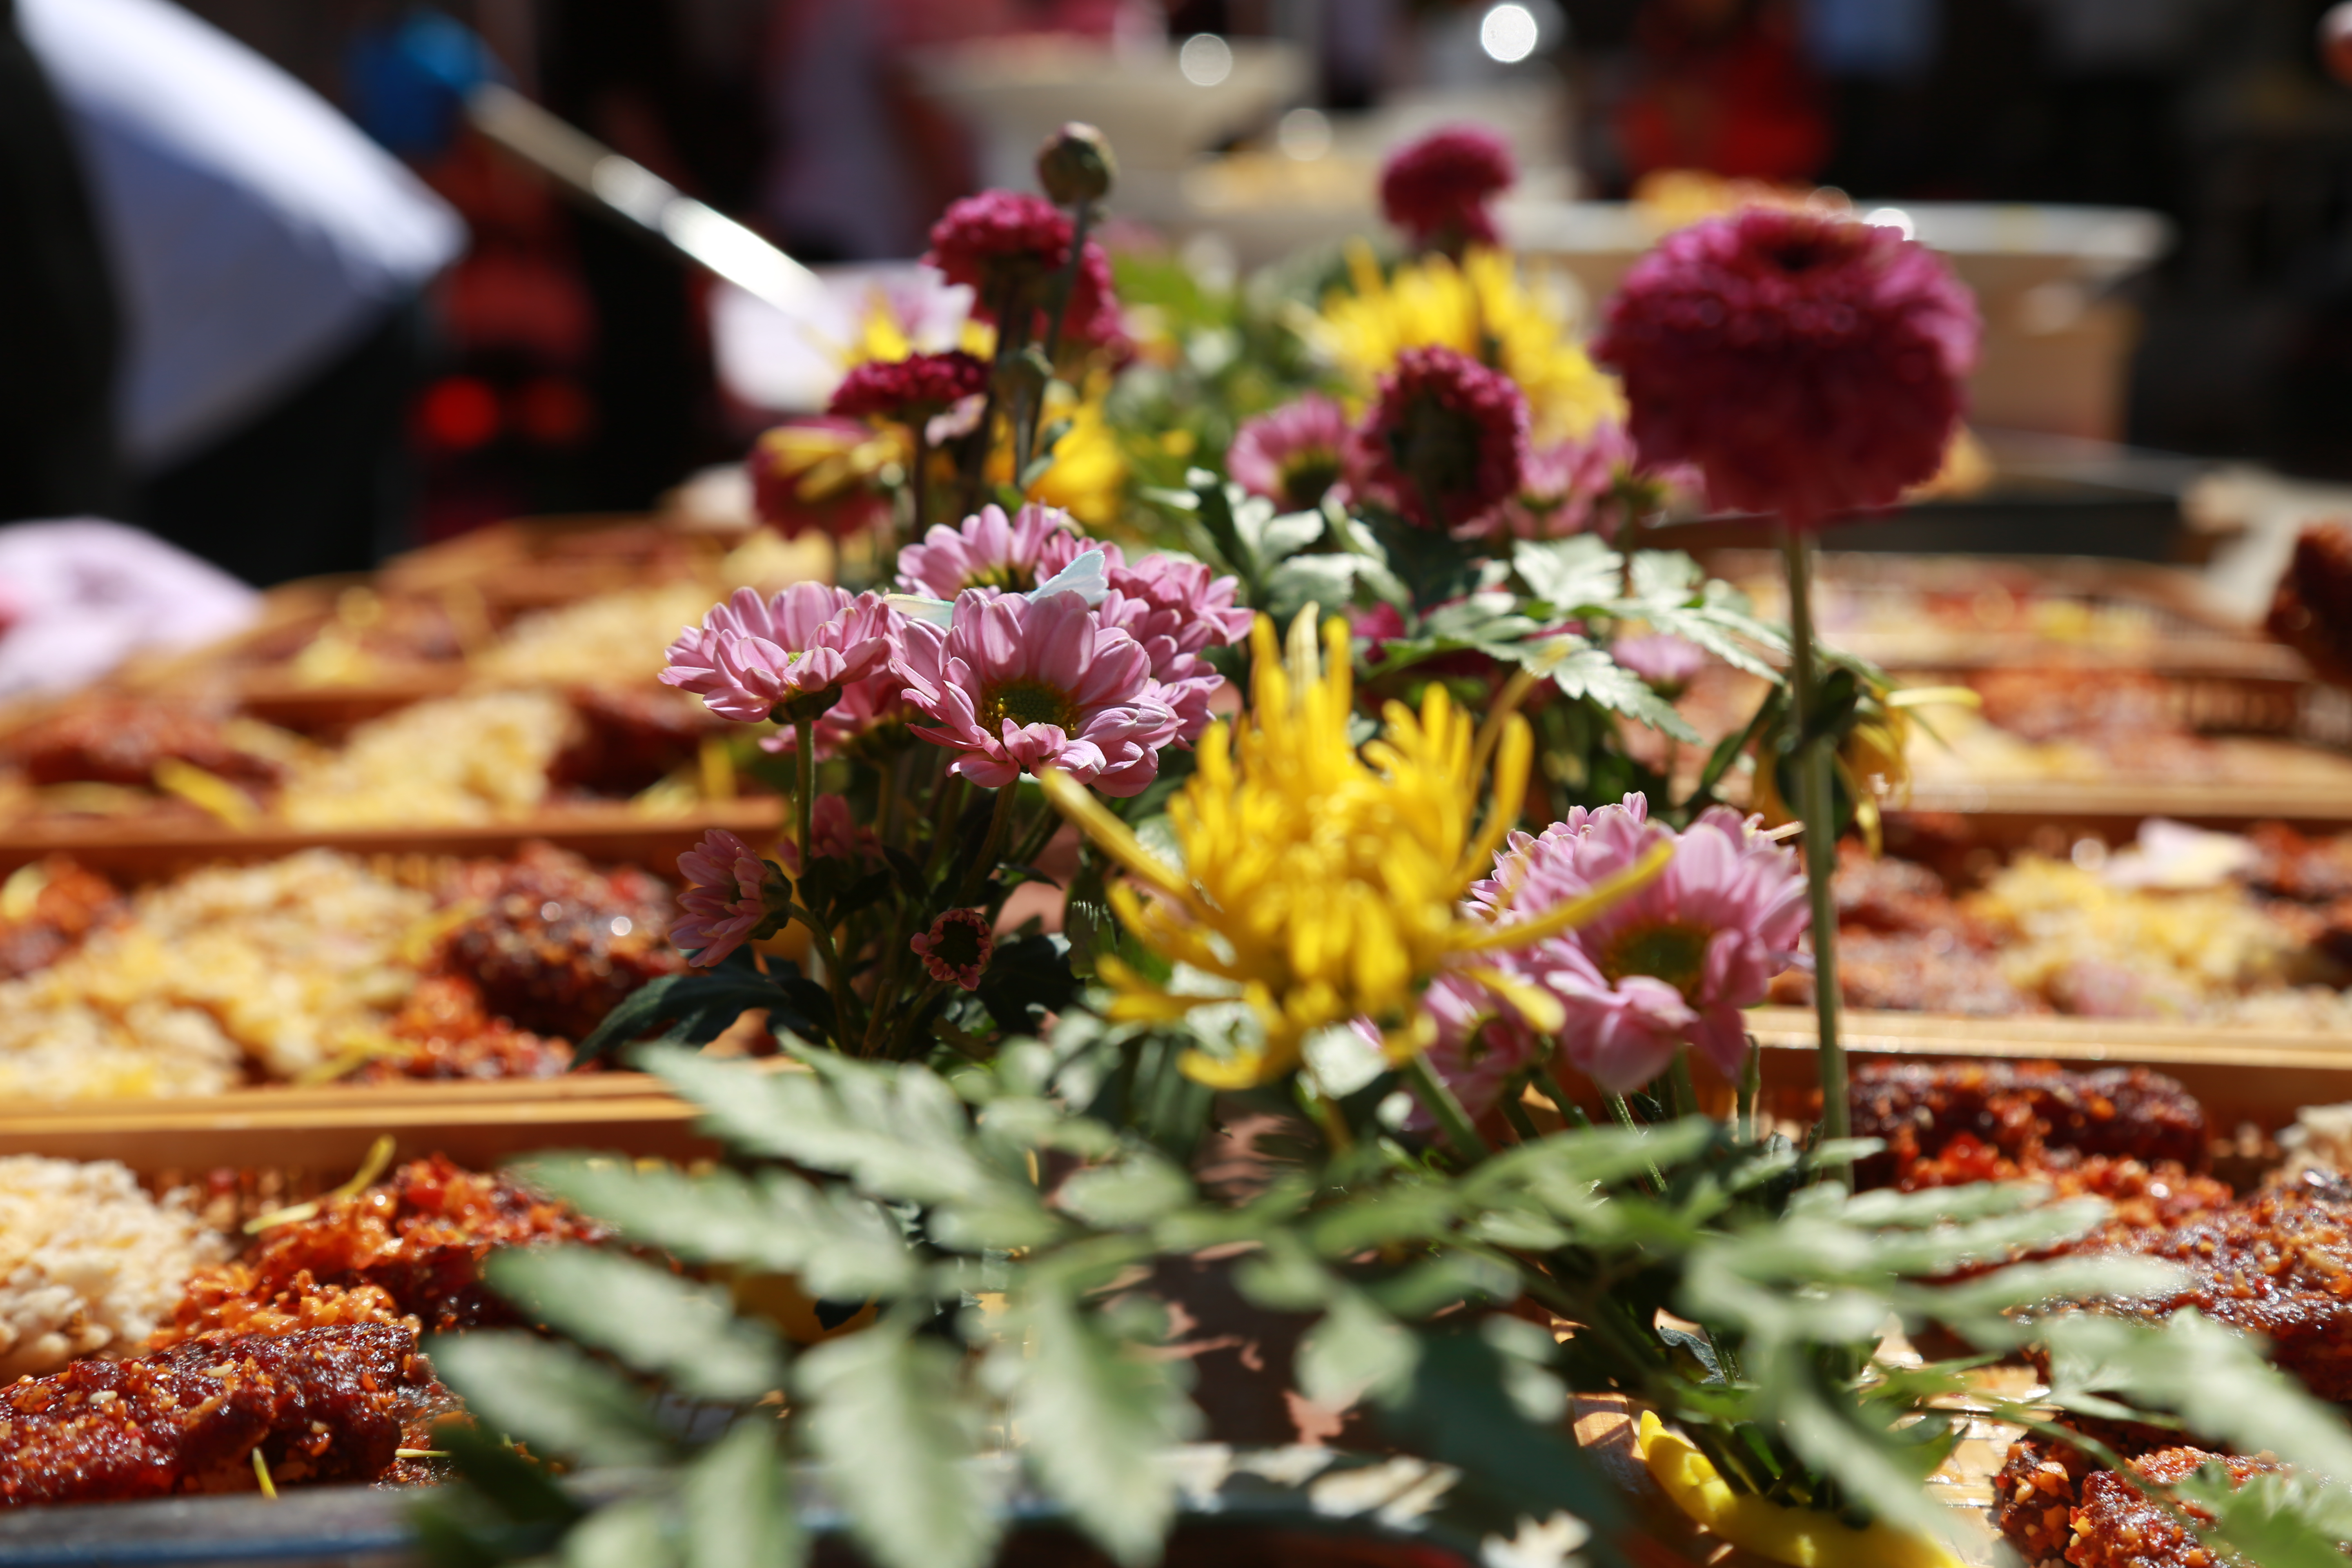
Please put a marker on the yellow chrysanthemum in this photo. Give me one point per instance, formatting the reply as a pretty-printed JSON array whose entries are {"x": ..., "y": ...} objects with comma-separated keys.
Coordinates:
[
  {"x": 1480, "y": 309},
  {"x": 1089, "y": 472},
  {"x": 882, "y": 336},
  {"x": 1320, "y": 884}
]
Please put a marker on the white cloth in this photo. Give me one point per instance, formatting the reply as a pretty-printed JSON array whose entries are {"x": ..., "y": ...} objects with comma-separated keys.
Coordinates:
[
  {"x": 79, "y": 597},
  {"x": 254, "y": 233}
]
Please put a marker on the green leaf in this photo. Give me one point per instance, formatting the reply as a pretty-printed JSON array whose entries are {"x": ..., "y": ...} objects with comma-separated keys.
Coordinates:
[
  {"x": 552, "y": 1396},
  {"x": 1028, "y": 977},
  {"x": 899, "y": 1437},
  {"x": 1135, "y": 1190},
  {"x": 842, "y": 1246},
  {"x": 2279, "y": 1522},
  {"x": 648, "y": 1317},
  {"x": 737, "y": 1507},
  {"x": 1096, "y": 1419},
  {"x": 1579, "y": 669},
  {"x": 634, "y": 1533},
  {"x": 1571, "y": 574},
  {"x": 1458, "y": 1407},
  {"x": 1273, "y": 537},
  {"x": 697, "y": 1007},
  {"x": 1354, "y": 1349}
]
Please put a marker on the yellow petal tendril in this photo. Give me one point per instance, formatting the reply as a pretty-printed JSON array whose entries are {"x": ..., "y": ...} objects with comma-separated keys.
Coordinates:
[
  {"x": 1320, "y": 884},
  {"x": 1801, "y": 1537}
]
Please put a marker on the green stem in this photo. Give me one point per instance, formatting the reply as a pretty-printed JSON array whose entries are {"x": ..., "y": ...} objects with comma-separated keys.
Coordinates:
[
  {"x": 1516, "y": 1114},
  {"x": 1623, "y": 1112},
  {"x": 1452, "y": 1119},
  {"x": 804, "y": 740},
  {"x": 1751, "y": 1093},
  {"x": 1814, "y": 805},
  {"x": 920, "y": 481},
  {"x": 1681, "y": 1092},
  {"x": 1571, "y": 1113},
  {"x": 999, "y": 823}
]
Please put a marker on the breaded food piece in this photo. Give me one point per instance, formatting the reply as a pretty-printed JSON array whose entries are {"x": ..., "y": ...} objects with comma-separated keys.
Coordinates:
[
  {"x": 119, "y": 741},
  {"x": 451, "y": 1034},
  {"x": 321, "y": 1405},
  {"x": 2021, "y": 1111},
  {"x": 67, "y": 903},
  {"x": 2310, "y": 611},
  {"x": 558, "y": 944},
  {"x": 2056, "y": 1507},
  {"x": 409, "y": 1248}
]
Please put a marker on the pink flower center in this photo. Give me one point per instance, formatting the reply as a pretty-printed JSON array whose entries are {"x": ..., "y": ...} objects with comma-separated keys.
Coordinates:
[
  {"x": 1673, "y": 954},
  {"x": 1027, "y": 702}
]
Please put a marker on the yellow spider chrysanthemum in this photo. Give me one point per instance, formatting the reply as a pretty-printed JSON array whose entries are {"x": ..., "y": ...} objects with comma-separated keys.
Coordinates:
[
  {"x": 1480, "y": 309},
  {"x": 1320, "y": 884}
]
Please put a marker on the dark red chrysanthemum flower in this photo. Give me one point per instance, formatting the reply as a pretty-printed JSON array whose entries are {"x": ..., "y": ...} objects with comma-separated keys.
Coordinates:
[
  {"x": 915, "y": 387},
  {"x": 1436, "y": 189},
  {"x": 1445, "y": 433},
  {"x": 1001, "y": 240},
  {"x": 1807, "y": 365}
]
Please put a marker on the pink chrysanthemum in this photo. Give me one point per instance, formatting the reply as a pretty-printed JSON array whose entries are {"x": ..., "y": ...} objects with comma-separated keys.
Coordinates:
[
  {"x": 752, "y": 656},
  {"x": 725, "y": 899},
  {"x": 1481, "y": 1043},
  {"x": 838, "y": 836},
  {"x": 1671, "y": 964},
  {"x": 1446, "y": 433},
  {"x": 957, "y": 948},
  {"x": 1668, "y": 663},
  {"x": 916, "y": 387},
  {"x": 1807, "y": 365},
  {"x": 1562, "y": 488},
  {"x": 1295, "y": 455},
  {"x": 990, "y": 550},
  {"x": 1176, "y": 609},
  {"x": 1005, "y": 240},
  {"x": 1018, "y": 684},
  {"x": 1436, "y": 189}
]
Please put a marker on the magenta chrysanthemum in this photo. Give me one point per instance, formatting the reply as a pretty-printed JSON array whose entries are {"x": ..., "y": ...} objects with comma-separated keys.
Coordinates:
[
  {"x": 725, "y": 898},
  {"x": 957, "y": 948},
  {"x": 1668, "y": 663},
  {"x": 1671, "y": 964},
  {"x": 1004, "y": 242},
  {"x": 1295, "y": 455},
  {"x": 1806, "y": 365},
  {"x": 752, "y": 656},
  {"x": 1018, "y": 684},
  {"x": 916, "y": 387},
  {"x": 1436, "y": 189},
  {"x": 1446, "y": 443},
  {"x": 989, "y": 549}
]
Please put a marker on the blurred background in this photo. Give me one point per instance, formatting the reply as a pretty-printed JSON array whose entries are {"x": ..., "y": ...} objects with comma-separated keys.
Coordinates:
[{"x": 2153, "y": 198}]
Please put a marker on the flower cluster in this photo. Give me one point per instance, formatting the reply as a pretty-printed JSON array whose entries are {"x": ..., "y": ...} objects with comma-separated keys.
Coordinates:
[
  {"x": 916, "y": 387},
  {"x": 1007, "y": 245},
  {"x": 1436, "y": 189},
  {"x": 1806, "y": 365},
  {"x": 1446, "y": 443},
  {"x": 1671, "y": 963}
]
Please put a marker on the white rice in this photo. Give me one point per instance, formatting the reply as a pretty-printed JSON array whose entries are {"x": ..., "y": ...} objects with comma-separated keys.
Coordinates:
[{"x": 89, "y": 1263}]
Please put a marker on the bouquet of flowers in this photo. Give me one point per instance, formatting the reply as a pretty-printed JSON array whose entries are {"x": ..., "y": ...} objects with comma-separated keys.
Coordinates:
[{"x": 1330, "y": 756}]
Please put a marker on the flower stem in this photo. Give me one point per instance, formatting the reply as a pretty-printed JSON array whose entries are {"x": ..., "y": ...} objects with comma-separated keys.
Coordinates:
[
  {"x": 1623, "y": 1112},
  {"x": 1814, "y": 807},
  {"x": 919, "y": 480},
  {"x": 805, "y": 805},
  {"x": 1681, "y": 1092},
  {"x": 1452, "y": 1119},
  {"x": 1751, "y": 1093},
  {"x": 999, "y": 823}
]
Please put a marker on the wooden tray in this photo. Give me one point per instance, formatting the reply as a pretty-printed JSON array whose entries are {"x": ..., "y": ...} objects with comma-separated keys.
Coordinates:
[
  {"x": 2051, "y": 815},
  {"x": 602, "y": 831}
]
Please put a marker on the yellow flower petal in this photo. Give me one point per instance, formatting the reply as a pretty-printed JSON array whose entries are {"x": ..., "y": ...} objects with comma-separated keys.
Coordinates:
[{"x": 1801, "y": 1537}]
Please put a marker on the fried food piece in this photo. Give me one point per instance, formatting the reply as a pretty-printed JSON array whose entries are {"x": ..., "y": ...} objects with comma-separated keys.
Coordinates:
[
  {"x": 1904, "y": 944},
  {"x": 2021, "y": 1114},
  {"x": 2310, "y": 611},
  {"x": 558, "y": 944},
  {"x": 319, "y": 1404},
  {"x": 2055, "y": 1507},
  {"x": 2035, "y": 1496},
  {"x": 410, "y": 1247},
  {"x": 455, "y": 1036},
  {"x": 70, "y": 902},
  {"x": 119, "y": 741},
  {"x": 629, "y": 739}
]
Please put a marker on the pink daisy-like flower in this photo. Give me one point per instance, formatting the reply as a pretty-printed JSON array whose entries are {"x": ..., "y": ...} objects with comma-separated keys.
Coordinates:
[
  {"x": 1002, "y": 240},
  {"x": 1671, "y": 964},
  {"x": 1446, "y": 443},
  {"x": 957, "y": 948},
  {"x": 1481, "y": 1044},
  {"x": 1176, "y": 609},
  {"x": 1562, "y": 488},
  {"x": 1295, "y": 455},
  {"x": 916, "y": 387},
  {"x": 1018, "y": 684},
  {"x": 990, "y": 550},
  {"x": 1436, "y": 189},
  {"x": 725, "y": 900},
  {"x": 1668, "y": 663},
  {"x": 752, "y": 656},
  {"x": 1807, "y": 365}
]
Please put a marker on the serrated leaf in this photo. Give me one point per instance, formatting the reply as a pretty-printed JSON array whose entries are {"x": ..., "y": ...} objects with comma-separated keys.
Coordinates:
[
  {"x": 1273, "y": 537},
  {"x": 1705, "y": 630},
  {"x": 1572, "y": 573},
  {"x": 697, "y": 1007},
  {"x": 1354, "y": 1349},
  {"x": 1096, "y": 1419},
  {"x": 2279, "y": 1522},
  {"x": 632, "y": 1534},
  {"x": 1579, "y": 669},
  {"x": 552, "y": 1396},
  {"x": 1459, "y": 1408},
  {"x": 1666, "y": 576},
  {"x": 737, "y": 1503},
  {"x": 841, "y": 1245},
  {"x": 1135, "y": 1190},
  {"x": 898, "y": 1435},
  {"x": 648, "y": 1317}
]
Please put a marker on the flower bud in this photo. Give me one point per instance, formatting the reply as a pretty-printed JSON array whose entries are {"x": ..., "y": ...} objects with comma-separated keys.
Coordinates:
[{"x": 1076, "y": 166}]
